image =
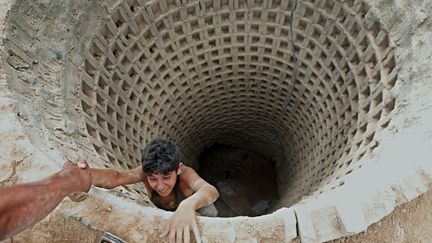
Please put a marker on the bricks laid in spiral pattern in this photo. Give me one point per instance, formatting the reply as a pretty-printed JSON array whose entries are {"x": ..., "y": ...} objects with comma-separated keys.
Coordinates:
[{"x": 201, "y": 72}]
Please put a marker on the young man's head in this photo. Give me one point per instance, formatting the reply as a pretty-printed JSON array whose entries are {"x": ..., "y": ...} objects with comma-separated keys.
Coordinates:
[{"x": 161, "y": 162}]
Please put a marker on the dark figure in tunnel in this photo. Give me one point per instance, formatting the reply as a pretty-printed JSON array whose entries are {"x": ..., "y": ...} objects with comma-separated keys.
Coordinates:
[{"x": 170, "y": 185}]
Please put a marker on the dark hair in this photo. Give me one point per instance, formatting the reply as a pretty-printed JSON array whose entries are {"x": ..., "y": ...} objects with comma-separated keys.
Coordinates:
[{"x": 160, "y": 156}]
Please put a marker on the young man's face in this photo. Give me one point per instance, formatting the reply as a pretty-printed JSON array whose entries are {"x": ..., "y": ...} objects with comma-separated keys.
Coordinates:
[{"x": 163, "y": 183}]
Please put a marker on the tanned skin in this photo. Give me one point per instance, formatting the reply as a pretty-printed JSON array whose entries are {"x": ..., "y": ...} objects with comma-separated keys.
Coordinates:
[
  {"x": 199, "y": 194},
  {"x": 22, "y": 206}
]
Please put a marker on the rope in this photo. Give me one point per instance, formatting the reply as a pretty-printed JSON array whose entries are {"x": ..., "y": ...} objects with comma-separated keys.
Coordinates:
[{"x": 294, "y": 57}]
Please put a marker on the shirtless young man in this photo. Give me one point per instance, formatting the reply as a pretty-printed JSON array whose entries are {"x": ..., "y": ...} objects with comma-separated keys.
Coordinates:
[{"x": 170, "y": 186}]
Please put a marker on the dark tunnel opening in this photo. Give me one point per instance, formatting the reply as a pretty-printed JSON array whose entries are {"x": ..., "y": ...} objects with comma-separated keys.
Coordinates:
[{"x": 246, "y": 180}]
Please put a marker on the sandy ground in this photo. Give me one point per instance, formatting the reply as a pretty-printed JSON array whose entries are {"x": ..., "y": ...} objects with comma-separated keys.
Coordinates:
[
  {"x": 57, "y": 228},
  {"x": 409, "y": 222}
]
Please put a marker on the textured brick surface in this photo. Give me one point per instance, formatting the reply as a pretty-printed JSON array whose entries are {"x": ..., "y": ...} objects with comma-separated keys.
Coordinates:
[
  {"x": 202, "y": 72},
  {"x": 97, "y": 80}
]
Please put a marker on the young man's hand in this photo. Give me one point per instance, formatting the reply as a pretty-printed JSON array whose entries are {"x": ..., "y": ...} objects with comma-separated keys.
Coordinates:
[{"x": 181, "y": 223}]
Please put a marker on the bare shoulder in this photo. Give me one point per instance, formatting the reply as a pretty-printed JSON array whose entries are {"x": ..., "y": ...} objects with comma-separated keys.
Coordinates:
[
  {"x": 188, "y": 173},
  {"x": 190, "y": 177}
]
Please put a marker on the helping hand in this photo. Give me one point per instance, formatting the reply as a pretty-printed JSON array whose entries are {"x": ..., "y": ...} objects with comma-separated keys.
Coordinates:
[
  {"x": 83, "y": 176},
  {"x": 179, "y": 226}
]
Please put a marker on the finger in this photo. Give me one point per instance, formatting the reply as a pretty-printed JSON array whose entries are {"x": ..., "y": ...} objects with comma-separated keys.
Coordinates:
[
  {"x": 86, "y": 162},
  {"x": 179, "y": 235},
  {"x": 72, "y": 197},
  {"x": 75, "y": 199},
  {"x": 82, "y": 165},
  {"x": 196, "y": 232},
  {"x": 166, "y": 230},
  {"x": 172, "y": 236},
  {"x": 66, "y": 163},
  {"x": 82, "y": 197},
  {"x": 77, "y": 196},
  {"x": 186, "y": 235}
]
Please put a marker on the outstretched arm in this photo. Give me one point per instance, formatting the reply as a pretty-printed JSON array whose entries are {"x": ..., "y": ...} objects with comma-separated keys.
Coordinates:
[
  {"x": 184, "y": 219},
  {"x": 21, "y": 206},
  {"x": 205, "y": 194},
  {"x": 109, "y": 178}
]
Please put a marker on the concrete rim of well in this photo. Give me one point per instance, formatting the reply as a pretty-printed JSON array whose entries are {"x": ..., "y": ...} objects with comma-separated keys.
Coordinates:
[{"x": 348, "y": 209}]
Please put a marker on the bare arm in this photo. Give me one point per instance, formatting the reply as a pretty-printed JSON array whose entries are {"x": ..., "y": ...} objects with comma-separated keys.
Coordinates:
[
  {"x": 183, "y": 220},
  {"x": 205, "y": 194},
  {"x": 24, "y": 205},
  {"x": 109, "y": 178}
]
